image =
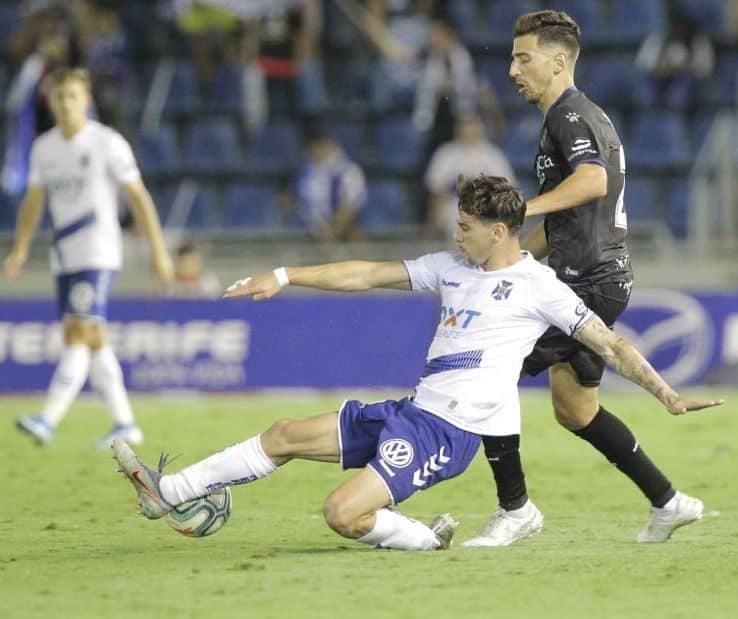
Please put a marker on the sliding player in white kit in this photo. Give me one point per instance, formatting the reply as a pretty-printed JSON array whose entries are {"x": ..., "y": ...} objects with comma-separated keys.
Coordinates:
[
  {"x": 81, "y": 164},
  {"x": 496, "y": 301}
]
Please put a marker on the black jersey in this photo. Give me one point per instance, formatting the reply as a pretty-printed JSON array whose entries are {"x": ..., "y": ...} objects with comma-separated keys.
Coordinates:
[{"x": 586, "y": 242}]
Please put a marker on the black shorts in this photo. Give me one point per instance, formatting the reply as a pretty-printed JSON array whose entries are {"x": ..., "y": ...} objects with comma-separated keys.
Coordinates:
[{"x": 607, "y": 301}]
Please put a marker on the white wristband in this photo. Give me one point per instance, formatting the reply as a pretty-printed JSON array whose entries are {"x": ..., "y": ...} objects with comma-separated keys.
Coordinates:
[{"x": 281, "y": 275}]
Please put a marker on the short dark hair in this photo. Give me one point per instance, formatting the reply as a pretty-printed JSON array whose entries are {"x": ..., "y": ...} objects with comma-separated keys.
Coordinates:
[
  {"x": 187, "y": 248},
  {"x": 551, "y": 27},
  {"x": 492, "y": 198}
]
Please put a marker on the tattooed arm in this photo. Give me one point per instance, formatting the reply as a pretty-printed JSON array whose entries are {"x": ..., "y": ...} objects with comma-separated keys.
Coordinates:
[{"x": 623, "y": 357}]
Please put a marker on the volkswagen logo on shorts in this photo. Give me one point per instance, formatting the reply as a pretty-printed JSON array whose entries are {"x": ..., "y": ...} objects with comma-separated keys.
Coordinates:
[
  {"x": 672, "y": 330},
  {"x": 396, "y": 452}
]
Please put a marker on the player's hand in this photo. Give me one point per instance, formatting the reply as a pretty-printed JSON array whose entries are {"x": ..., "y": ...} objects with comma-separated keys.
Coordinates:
[
  {"x": 680, "y": 405},
  {"x": 13, "y": 264},
  {"x": 258, "y": 288},
  {"x": 163, "y": 268}
]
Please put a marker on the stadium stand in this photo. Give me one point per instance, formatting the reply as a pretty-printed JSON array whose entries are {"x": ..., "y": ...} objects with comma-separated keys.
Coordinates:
[{"x": 204, "y": 134}]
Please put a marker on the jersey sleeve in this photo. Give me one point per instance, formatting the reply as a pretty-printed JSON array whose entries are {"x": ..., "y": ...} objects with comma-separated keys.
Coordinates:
[
  {"x": 575, "y": 137},
  {"x": 427, "y": 271},
  {"x": 121, "y": 160},
  {"x": 560, "y": 306},
  {"x": 35, "y": 172}
]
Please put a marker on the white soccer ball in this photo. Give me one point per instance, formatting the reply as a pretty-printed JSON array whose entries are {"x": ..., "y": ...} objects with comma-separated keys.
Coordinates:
[{"x": 203, "y": 516}]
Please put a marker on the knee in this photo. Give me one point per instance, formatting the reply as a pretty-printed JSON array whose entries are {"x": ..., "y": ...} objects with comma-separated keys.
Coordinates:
[
  {"x": 276, "y": 440},
  {"x": 339, "y": 517},
  {"x": 76, "y": 332},
  {"x": 570, "y": 414}
]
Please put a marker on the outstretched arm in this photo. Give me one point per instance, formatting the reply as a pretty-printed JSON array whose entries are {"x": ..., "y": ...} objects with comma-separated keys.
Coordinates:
[
  {"x": 623, "y": 357},
  {"x": 350, "y": 276},
  {"x": 29, "y": 216}
]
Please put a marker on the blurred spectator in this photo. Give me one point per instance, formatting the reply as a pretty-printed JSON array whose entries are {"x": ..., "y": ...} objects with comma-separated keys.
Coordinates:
[
  {"x": 330, "y": 191},
  {"x": 46, "y": 37},
  {"x": 191, "y": 280},
  {"x": 447, "y": 87},
  {"x": 678, "y": 60},
  {"x": 206, "y": 27},
  {"x": 469, "y": 153},
  {"x": 104, "y": 51},
  {"x": 289, "y": 59},
  {"x": 399, "y": 31}
]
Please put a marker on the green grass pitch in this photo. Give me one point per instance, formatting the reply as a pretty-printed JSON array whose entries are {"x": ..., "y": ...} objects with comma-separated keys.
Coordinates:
[{"x": 72, "y": 545}]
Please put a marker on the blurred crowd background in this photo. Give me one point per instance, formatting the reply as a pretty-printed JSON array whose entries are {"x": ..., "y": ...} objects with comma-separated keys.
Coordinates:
[{"x": 292, "y": 131}]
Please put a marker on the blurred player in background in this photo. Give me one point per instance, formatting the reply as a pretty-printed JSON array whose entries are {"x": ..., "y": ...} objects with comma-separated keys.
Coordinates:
[
  {"x": 496, "y": 302},
  {"x": 81, "y": 164},
  {"x": 581, "y": 173}
]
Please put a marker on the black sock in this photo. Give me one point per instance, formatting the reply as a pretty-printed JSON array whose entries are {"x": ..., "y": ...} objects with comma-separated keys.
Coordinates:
[
  {"x": 503, "y": 455},
  {"x": 612, "y": 438}
]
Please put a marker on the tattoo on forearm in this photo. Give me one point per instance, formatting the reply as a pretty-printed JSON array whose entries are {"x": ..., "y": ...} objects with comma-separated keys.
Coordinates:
[{"x": 623, "y": 357}]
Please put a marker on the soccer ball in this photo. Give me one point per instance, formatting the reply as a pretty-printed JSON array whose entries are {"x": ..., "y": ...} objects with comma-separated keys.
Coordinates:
[{"x": 203, "y": 516}]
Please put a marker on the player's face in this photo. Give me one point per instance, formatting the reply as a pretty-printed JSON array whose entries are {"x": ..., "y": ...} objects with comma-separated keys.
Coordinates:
[
  {"x": 69, "y": 102},
  {"x": 475, "y": 237},
  {"x": 531, "y": 67}
]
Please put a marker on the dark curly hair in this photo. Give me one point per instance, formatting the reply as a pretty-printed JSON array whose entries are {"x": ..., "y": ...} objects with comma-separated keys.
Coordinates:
[
  {"x": 551, "y": 27},
  {"x": 492, "y": 198}
]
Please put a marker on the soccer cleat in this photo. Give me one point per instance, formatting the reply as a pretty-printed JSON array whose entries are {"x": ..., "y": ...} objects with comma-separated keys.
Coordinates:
[
  {"x": 444, "y": 526},
  {"x": 144, "y": 479},
  {"x": 679, "y": 511},
  {"x": 131, "y": 434},
  {"x": 506, "y": 527},
  {"x": 35, "y": 425}
]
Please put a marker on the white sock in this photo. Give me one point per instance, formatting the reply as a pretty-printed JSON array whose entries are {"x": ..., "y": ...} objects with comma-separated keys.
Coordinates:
[
  {"x": 69, "y": 378},
  {"x": 238, "y": 464},
  {"x": 393, "y": 530},
  {"x": 107, "y": 377}
]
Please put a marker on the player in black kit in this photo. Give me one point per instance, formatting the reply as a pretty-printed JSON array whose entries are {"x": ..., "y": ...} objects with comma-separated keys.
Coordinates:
[{"x": 581, "y": 174}]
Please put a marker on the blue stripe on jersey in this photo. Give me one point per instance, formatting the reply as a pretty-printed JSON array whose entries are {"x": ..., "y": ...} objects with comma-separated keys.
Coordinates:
[
  {"x": 76, "y": 225},
  {"x": 457, "y": 361}
]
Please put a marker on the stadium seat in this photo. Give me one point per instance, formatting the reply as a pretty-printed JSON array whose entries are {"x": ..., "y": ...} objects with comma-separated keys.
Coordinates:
[
  {"x": 658, "y": 140},
  {"x": 523, "y": 135},
  {"x": 350, "y": 134},
  {"x": 387, "y": 205},
  {"x": 228, "y": 85},
  {"x": 589, "y": 14},
  {"x": 397, "y": 145},
  {"x": 158, "y": 151},
  {"x": 630, "y": 21},
  {"x": 612, "y": 80},
  {"x": 725, "y": 81},
  {"x": 203, "y": 211},
  {"x": 250, "y": 206},
  {"x": 502, "y": 16},
  {"x": 276, "y": 148},
  {"x": 642, "y": 202},
  {"x": 677, "y": 207},
  {"x": 184, "y": 93},
  {"x": 9, "y": 18},
  {"x": 212, "y": 144}
]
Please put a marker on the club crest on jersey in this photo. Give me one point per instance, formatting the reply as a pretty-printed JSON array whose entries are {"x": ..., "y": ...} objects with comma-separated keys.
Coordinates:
[{"x": 502, "y": 290}]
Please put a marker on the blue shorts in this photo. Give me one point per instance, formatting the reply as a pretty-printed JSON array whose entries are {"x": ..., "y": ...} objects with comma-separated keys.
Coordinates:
[
  {"x": 85, "y": 294},
  {"x": 409, "y": 448}
]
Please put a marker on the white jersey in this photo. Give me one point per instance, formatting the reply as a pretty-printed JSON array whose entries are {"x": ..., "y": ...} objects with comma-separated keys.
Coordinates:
[
  {"x": 490, "y": 321},
  {"x": 81, "y": 176}
]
